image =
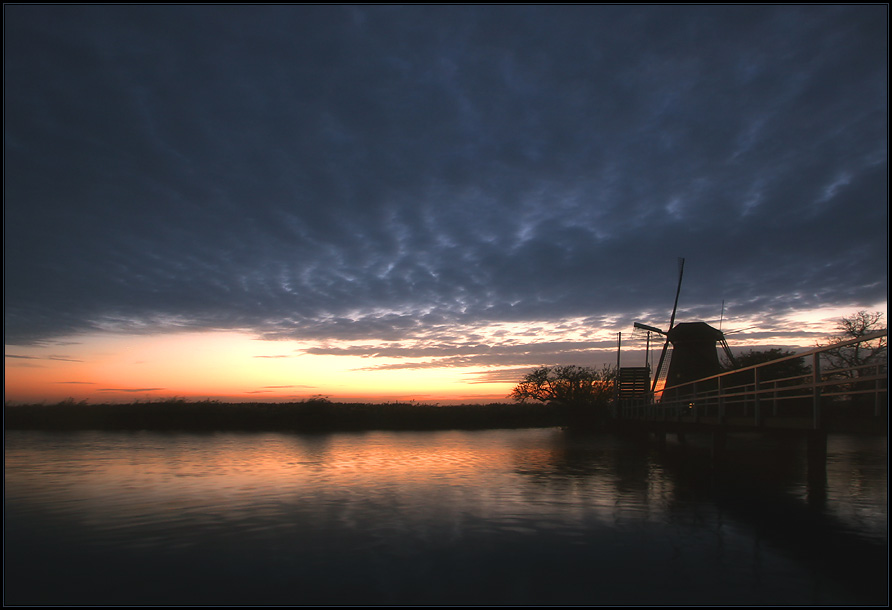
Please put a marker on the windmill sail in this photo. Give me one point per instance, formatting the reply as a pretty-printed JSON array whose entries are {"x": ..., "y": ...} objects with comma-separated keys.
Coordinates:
[
  {"x": 663, "y": 371},
  {"x": 660, "y": 373}
]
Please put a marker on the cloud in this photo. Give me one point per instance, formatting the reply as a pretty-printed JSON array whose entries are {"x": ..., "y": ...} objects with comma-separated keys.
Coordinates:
[
  {"x": 506, "y": 375},
  {"x": 50, "y": 357},
  {"x": 129, "y": 389},
  {"x": 375, "y": 174},
  {"x": 274, "y": 387}
]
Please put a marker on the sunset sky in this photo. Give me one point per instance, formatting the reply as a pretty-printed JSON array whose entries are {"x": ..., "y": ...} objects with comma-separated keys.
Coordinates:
[{"x": 424, "y": 202}]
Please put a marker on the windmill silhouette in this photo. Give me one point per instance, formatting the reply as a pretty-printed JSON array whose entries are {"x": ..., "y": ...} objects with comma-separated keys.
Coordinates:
[{"x": 693, "y": 354}]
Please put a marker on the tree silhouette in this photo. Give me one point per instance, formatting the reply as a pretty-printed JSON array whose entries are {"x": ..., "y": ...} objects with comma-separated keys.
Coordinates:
[
  {"x": 567, "y": 385},
  {"x": 793, "y": 367},
  {"x": 861, "y": 358}
]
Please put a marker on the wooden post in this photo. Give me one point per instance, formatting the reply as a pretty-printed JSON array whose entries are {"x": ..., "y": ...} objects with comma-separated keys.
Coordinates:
[
  {"x": 696, "y": 403},
  {"x": 757, "y": 407},
  {"x": 721, "y": 400},
  {"x": 816, "y": 392},
  {"x": 616, "y": 406}
]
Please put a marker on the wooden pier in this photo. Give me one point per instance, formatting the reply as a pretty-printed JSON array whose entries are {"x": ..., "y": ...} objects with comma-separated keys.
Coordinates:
[{"x": 851, "y": 399}]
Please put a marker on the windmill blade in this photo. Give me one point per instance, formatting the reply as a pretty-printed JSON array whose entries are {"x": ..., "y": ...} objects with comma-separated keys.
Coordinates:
[
  {"x": 653, "y": 329},
  {"x": 728, "y": 353},
  {"x": 677, "y": 292},
  {"x": 740, "y": 330},
  {"x": 671, "y": 325},
  {"x": 660, "y": 365}
]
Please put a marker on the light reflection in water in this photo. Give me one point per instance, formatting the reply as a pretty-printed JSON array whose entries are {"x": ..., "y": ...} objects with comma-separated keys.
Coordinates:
[{"x": 511, "y": 516}]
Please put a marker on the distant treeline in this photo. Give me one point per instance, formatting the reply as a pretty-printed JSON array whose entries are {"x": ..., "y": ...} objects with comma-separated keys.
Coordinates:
[{"x": 306, "y": 416}]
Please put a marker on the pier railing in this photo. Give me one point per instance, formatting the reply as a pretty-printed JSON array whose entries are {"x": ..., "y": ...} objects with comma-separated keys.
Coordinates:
[{"x": 753, "y": 397}]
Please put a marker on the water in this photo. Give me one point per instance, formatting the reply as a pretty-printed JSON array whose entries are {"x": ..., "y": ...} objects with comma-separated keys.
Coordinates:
[{"x": 503, "y": 517}]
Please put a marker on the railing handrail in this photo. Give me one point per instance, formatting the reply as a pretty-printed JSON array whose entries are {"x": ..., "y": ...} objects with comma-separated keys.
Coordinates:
[
  {"x": 731, "y": 392},
  {"x": 818, "y": 350}
]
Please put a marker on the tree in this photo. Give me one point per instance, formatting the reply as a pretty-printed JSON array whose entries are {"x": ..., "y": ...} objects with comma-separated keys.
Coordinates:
[
  {"x": 862, "y": 362},
  {"x": 794, "y": 367},
  {"x": 861, "y": 358},
  {"x": 567, "y": 385}
]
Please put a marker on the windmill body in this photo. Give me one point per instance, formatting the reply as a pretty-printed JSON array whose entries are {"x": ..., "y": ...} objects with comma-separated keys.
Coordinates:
[{"x": 694, "y": 353}]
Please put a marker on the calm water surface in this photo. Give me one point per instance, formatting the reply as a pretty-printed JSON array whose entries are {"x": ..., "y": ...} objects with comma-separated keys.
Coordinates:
[{"x": 504, "y": 517}]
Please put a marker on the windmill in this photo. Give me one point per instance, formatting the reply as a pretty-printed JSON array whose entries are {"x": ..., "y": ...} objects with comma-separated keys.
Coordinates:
[
  {"x": 671, "y": 326},
  {"x": 693, "y": 354}
]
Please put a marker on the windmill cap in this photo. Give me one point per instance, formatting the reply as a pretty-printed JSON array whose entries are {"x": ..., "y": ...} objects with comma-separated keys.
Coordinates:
[{"x": 694, "y": 331}]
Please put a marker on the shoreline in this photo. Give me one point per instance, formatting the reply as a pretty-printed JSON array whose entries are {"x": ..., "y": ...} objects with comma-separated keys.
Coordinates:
[
  {"x": 323, "y": 415},
  {"x": 305, "y": 416}
]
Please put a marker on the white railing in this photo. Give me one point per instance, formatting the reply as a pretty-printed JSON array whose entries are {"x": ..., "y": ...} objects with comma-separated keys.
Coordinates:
[{"x": 750, "y": 396}]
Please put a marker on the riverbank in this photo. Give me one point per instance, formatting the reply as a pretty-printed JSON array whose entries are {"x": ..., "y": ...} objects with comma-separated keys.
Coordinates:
[{"x": 305, "y": 416}]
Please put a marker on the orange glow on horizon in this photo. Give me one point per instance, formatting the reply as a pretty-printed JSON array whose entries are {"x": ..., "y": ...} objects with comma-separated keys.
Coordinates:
[
  {"x": 226, "y": 366},
  {"x": 237, "y": 367}
]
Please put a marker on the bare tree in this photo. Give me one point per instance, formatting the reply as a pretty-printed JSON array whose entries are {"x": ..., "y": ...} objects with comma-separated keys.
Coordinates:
[
  {"x": 860, "y": 358},
  {"x": 569, "y": 385}
]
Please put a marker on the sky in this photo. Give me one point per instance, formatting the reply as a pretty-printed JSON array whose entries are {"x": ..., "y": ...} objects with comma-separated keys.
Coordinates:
[{"x": 424, "y": 202}]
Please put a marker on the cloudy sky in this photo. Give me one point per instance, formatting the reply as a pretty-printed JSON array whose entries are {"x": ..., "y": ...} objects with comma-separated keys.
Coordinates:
[{"x": 421, "y": 201}]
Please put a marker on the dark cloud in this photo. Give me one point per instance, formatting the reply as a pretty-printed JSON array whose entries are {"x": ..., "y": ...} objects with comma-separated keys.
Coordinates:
[
  {"x": 129, "y": 389},
  {"x": 424, "y": 355},
  {"x": 386, "y": 174},
  {"x": 50, "y": 357},
  {"x": 266, "y": 387},
  {"x": 502, "y": 375}
]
